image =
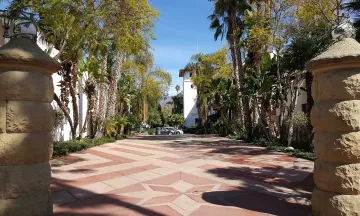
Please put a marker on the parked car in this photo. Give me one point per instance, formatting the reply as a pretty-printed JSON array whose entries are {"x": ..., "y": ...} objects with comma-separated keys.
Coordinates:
[
  {"x": 168, "y": 131},
  {"x": 175, "y": 130}
]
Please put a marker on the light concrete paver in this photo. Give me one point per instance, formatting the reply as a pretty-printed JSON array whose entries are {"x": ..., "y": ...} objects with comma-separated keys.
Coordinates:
[
  {"x": 120, "y": 182},
  {"x": 85, "y": 191}
]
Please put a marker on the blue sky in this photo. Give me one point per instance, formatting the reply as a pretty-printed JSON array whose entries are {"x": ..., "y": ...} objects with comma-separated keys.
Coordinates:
[{"x": 181, "y": 24}]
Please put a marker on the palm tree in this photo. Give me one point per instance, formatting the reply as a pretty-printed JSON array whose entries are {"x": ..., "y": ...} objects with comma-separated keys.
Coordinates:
[
  {"x": 227, "y": 21},
  {"x": 177, "y": 88}
]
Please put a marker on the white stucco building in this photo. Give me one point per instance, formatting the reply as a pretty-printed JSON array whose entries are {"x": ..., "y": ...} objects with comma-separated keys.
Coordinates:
[{"x": 190, "y": 109}]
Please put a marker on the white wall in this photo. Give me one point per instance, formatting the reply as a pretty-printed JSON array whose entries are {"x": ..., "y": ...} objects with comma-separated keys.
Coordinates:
[
  {"x": 302, "y": 99},
  {"x": 190, "y": 94}
]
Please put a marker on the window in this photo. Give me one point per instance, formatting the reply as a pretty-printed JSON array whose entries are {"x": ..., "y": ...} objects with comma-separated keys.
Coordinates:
[
  {"x": 190, "y": 74},
  {"x": 192, "y": 86}
]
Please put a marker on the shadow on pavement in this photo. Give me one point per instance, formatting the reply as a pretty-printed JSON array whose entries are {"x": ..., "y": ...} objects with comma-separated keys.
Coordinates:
[
  {"x": 266, "y": 198},
  {"x": 101, "y": 205},
  {"x": 254, "y": 201}
]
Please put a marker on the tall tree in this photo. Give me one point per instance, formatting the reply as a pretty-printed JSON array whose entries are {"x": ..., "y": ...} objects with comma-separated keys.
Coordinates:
[
  {"x": 76, "y": 27},
  {"x": 211, "y": 74},
  {"x": 132, "y": 21},
  {"x": 228, "y": 20}
]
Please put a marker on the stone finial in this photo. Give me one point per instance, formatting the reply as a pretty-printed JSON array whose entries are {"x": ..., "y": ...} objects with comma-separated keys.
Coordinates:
[
  {"x": 24, "y": 53},
  {"x": 342, "y": 54}
]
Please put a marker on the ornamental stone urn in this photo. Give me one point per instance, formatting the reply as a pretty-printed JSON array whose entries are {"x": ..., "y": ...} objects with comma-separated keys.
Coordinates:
[
  {"x": 26, "y": 121},
  {"x": 336, "y": 120}
]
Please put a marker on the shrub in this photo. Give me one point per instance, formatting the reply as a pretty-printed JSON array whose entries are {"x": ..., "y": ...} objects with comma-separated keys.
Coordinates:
[
  {"x": 149, "y": 131},
  {"x": 302, "y": 135},
  {"x": 275, "y": 146},
  {"x": 271, "y": 145},
  {"x": 65, "y": 147},
  {"x": 191, "y": 130},
  {"x": 110, "y": 127},
  {"x": 119, "y": 137}
]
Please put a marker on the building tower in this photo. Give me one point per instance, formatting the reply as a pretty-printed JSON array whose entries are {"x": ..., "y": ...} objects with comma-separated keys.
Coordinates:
[{"x": 190, "y": 109}]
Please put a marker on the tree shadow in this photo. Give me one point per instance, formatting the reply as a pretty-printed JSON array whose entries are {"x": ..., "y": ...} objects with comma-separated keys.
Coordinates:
[
  {"x": 264, "y": 190},
  {"x": 101, "y": 205},
  {"x": 286, "y": 178},
  {"x": 254, "y": 201}
]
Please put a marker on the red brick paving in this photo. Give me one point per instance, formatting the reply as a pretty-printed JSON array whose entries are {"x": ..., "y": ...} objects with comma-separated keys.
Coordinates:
[
  {"x": 105, "y": 176},
  {"x": 163, "y": 189},
  {"x": 195, "y": 180},
  {"x": 129, "y": 189},
  {"x": 98, "y": 204},
  {"x": 213, "y": 187},
  {"x": 217, "y": 210},
  {"x": 151, "y": 148},
  {"x": 176, "y": 160},
  {"x": 162, "y": 199},
  {"x": 131, "y": 151},
  {"x": 166, "y": 180},
  {"x": 200, "y": 189}
]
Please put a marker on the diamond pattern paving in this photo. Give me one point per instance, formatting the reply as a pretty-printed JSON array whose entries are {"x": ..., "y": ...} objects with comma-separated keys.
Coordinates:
[{"x": 180, "y": 175}]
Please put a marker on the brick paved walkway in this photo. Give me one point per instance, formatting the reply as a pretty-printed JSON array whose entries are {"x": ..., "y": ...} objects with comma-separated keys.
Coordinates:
[{"x": 180, "y": 175}]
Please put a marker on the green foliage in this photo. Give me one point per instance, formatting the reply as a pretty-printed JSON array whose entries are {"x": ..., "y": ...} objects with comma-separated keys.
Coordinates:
[
  {"x": 62, "y": 148},
  {"x": 239, "y": 136},
  {"x": 97, "y": 36},
  {"x": 299, "y": 119},
  {"x": 119, "y": 137},
  {"x": 213, "y": 83},
  {"x": 110, "y": 127},
  {"x": 149, "y": 131},
  {"x": 305, "y": 45},
  {"x": 154, "y": 119},
  {"x": 150, "y": 84},
  {"x": 178, "y": 104},
  {"x": 115, "y": 126},
  {"x": 224, "y": 11},
  {"x": 166, "y": 112},
  {"x": 222, "y": 128},
  {"x": 58, "y": 120},
  {"x": 176, "y": 120},
  {"x": 302, "y": 136},
  {"x": 309, "y": 155}
]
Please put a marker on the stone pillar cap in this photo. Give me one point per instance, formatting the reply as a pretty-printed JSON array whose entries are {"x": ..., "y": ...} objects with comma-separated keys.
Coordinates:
[
  {"x": 342, "y": 54},
  {"x": 23, "y": 53}
]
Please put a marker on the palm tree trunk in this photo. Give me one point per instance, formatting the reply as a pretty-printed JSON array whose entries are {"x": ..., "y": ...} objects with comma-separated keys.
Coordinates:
[
  {"x": 101, "y": 109},
  {"x": 234, "y": 40},
  {"x": 74, "y": 74},
  {"x": 91, "y": 109},
  {"x": 112, "y": 93}
]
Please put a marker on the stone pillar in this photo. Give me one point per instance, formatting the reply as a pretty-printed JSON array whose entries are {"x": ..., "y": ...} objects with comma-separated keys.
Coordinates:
[
  {"x": 26, "y": 121},
  {"x": 336, "y": 120}
]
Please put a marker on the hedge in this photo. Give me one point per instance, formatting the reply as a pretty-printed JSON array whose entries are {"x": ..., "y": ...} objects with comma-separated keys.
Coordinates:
[{"x": 62, "y": 148}]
